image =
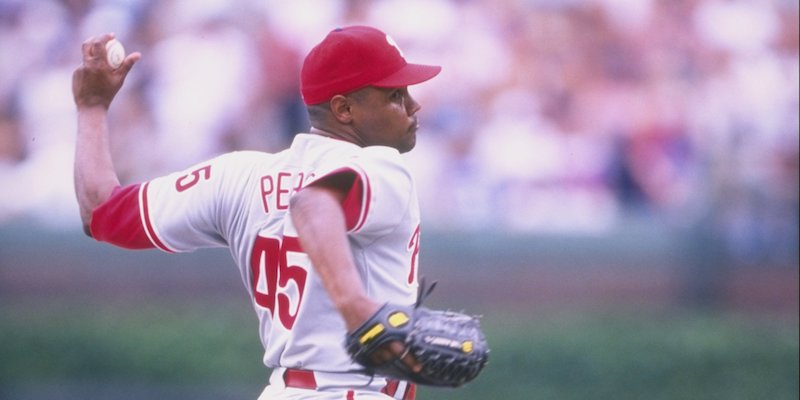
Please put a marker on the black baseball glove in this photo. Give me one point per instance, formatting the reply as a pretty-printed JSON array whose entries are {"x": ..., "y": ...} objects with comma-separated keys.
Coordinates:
[{"x": 450, "y": 346}]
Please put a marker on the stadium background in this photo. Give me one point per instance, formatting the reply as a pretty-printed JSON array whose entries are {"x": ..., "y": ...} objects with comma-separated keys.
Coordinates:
[{"x": 611, "y": 183}]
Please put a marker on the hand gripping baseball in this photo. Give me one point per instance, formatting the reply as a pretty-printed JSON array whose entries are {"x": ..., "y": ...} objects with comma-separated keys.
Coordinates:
[
  {"x": 450, "y": 346},
  {"x": 95, "y": 82}
]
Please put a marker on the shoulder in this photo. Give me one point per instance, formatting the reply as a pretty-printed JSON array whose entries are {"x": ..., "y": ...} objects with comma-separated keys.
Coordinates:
[
  {"x": 239, "y": 164},
  {"x": 244, "y": 158},
  {"x": 228, "y": 170},
  {"x": 381, "y": 160}
]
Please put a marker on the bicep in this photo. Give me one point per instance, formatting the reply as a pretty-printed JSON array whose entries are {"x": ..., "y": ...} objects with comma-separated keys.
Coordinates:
[{"x": 345, "y": 187}]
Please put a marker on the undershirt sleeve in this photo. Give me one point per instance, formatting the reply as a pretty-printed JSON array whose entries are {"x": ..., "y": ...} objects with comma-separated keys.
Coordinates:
[{"x": 118, "y": 220}]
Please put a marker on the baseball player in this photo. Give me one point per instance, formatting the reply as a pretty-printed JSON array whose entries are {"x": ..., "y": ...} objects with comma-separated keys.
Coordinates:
[{"x": 323, "y": 233}]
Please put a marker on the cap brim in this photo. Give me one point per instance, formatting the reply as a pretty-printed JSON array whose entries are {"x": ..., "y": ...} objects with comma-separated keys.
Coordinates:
[{"x": 410, "y": 74}]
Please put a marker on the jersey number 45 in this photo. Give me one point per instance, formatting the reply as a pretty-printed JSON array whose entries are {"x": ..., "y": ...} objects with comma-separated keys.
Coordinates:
[{"x": 278, "y": 277}]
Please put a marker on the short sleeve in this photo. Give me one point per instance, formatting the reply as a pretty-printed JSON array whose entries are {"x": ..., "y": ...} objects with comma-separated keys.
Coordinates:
[
  {"x": 380, "y": 192},
  {"x": 183, "y": 211},
  {"x": 178, "y": 212}
]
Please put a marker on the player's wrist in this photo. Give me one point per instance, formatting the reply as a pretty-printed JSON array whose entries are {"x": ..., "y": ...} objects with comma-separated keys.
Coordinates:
[
  {"x": 92, "y": 108},
  {"x": 356, "y": 310}
]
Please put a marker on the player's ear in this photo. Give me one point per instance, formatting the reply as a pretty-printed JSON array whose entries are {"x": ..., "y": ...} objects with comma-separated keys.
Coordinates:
[{"x": 341, "y": 108}]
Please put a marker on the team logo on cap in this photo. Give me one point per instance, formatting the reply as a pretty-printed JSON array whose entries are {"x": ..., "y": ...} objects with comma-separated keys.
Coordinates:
[{"x": 394, "y": 44}]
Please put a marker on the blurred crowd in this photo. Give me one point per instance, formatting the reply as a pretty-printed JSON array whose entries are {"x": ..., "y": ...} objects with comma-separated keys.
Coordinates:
[{"x": 560, "y": 116}]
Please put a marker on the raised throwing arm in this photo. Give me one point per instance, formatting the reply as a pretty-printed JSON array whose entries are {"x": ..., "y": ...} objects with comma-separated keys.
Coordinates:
[{"x": 94, "y": 85}]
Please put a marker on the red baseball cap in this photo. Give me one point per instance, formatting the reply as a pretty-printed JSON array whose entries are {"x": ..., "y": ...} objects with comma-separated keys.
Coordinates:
[{"x": 355, "y": 57}]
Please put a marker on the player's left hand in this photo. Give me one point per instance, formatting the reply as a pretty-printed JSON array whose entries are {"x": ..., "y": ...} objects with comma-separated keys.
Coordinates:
[
  {"x": 95, "y": 82},
  {"x": 396, "y": 350},
  {"x": 445, "y": 348},
  {"x": 359, "y": 314}
]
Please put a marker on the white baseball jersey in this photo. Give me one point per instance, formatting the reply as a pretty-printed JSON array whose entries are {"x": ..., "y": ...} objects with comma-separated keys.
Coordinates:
[{"x": 240, "y": 200}]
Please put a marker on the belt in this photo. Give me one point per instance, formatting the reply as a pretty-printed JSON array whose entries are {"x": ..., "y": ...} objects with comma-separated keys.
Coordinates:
[{"x": 305, "y": 379}]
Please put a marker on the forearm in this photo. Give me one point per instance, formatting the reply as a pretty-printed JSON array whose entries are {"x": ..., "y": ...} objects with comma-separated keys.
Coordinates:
[
  {"x": 94, "y": 173},
  {"x": 318, "y": 217},
  {"x": 94, "y": 85}
]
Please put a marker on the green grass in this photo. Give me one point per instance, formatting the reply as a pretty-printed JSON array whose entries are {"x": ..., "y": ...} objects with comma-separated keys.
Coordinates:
[
  {"x": 157, "y": 344},
  {"x": 679, "y": 355}
]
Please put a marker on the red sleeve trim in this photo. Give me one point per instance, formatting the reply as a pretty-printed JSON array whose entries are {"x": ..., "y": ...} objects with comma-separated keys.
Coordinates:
[
  {"x": 150, "y": 230},
  {"x": 117, "y": 220},
  {"x": 356, "y": 202},
  {"x": 351, "y": 205},
  {"x": 365, "y": 194}
]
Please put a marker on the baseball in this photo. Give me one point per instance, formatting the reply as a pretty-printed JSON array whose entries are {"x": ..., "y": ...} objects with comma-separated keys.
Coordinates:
[{"x": 115, "y": 53}]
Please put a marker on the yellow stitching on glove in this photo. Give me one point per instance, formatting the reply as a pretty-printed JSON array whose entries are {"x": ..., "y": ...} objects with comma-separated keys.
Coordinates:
[
  {"x": 398, "y": 319},
  {"x": 467, "y": 346},
  {"x": 371, "y": 333}
]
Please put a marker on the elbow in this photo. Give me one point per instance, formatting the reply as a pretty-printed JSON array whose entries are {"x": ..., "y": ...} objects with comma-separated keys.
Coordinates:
[
  {"x": 87, "y": 230},
  {"x": 89, "y": 201},
  {"x": 86, "y": 221}
]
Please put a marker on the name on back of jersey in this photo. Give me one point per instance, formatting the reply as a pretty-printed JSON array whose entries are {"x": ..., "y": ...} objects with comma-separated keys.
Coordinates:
[{"x": 279, "y": 187}]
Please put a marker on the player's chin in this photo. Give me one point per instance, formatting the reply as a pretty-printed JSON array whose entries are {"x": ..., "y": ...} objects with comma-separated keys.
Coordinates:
[{"x": 410, "y": 140}]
